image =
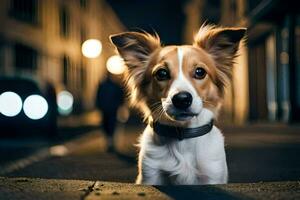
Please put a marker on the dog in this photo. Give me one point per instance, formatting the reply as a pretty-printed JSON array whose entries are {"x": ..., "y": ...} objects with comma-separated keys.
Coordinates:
[{"x": 180, "y": 90}]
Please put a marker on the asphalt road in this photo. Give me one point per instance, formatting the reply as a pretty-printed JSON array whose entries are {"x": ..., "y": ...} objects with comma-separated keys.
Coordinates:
[
  {"x": 23, "y": 145},
  {"x": 86, "y": 159},
  {"x": 253, "y": 154}
]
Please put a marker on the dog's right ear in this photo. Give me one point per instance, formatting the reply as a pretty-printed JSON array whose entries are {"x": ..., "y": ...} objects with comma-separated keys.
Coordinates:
[{"x": 135, "y": 48}]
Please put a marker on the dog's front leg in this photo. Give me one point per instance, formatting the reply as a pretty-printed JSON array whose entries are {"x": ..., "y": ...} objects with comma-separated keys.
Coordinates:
[{"x": 148, "y": 175}]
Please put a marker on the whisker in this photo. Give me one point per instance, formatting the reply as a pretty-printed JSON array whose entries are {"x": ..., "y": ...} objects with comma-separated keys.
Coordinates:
[
  {"x": 160, "y": 113},
  {"x": 208, "y": 102},
  {"x": 154, "y": 105},
  {"x": 157, "y": 110}
]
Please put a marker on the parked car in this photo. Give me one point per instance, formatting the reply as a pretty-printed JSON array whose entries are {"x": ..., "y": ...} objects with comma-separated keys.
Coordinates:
[{"x": 26, "y": 107}]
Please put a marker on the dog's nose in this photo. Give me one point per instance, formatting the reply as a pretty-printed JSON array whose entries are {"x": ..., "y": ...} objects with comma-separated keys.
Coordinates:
[{"x": 182, "y": 100}]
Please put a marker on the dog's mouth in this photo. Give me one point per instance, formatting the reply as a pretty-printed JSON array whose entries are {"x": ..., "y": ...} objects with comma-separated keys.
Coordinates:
[{"x": 182, "y": 116}]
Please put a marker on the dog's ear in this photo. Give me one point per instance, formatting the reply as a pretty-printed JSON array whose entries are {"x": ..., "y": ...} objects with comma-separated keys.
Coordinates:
[
  {"x": 222, "y": 44},
  {"x": 135, "y": 48}
]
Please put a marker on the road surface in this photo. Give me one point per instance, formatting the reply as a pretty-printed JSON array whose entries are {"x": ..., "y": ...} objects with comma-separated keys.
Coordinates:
[{"x": 253, "y": 155}]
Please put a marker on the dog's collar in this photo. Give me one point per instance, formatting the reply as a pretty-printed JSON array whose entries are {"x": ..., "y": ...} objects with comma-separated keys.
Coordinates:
[{"x": 181, "y": 133}]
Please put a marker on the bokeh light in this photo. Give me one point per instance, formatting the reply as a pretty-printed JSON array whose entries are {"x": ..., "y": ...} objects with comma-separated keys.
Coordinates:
[
  {"x": 65, "y": 102},
  {"x": 35, "y": 107},
  {"x": 10, "y": 104},
  {"x": 91, "y": 48},
  {"x": 115, "y": 65}
]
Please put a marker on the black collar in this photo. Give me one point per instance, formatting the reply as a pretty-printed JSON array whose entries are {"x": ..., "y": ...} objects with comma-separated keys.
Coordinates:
[{"x": 181, "y": 133}]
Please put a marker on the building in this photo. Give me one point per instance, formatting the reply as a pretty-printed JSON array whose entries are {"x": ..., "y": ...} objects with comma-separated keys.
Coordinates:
[
  {"x": 266, "y": 78},
  {"x": 42, "y": 39},
  {"x": 274, "y": 67}
]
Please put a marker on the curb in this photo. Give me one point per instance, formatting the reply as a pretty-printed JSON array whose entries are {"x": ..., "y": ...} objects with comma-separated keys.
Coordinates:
[{"x": 35, "y": 188}]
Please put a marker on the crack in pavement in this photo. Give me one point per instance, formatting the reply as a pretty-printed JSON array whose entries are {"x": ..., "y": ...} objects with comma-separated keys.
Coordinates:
[{"x": 89, "y": 190}]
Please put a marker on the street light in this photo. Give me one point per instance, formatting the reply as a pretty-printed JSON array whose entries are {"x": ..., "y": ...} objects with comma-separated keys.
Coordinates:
[
  {"x": 91, "y": 48},
  {"x": 65, "y": 102},
  {"x": 115, "y": 65}
]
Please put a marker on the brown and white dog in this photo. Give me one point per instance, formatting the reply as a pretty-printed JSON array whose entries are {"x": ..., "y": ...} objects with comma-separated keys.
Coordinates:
[{"x": 180, "y": 89}]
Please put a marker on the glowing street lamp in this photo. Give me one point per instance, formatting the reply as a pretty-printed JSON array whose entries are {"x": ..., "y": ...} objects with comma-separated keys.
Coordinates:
[
  {"x": 91, "y": 48},
  {"x": 115, "y": 65}
]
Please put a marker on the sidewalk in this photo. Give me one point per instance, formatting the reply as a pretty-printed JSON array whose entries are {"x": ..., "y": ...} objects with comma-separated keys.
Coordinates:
[
  {"x": 91, "y": 118},
  {"x": 265, "y": 158},
  {"x": 255, "y": 152},
  {"x": 26, "y": 188}
]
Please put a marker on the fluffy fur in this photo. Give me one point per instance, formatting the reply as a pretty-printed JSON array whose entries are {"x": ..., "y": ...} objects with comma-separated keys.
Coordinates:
[{"x": 163, "y": 160}]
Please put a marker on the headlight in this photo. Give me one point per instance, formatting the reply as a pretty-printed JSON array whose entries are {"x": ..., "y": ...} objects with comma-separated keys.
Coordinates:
[
  {"x": 65, "y": 102},
  {"x": 35, "y": 107},
  {"x": 10, "y": 104}
]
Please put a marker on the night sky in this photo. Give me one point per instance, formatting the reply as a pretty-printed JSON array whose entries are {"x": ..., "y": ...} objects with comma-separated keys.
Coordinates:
[{"x": 166, "y": 17}]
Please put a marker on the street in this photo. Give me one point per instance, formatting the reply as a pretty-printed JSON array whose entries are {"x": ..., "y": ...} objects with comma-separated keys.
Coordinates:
[
  {"x": 82, "y": 157},
  {"x": 259, "y": 154},
  {"x": 80, "y": 80}
]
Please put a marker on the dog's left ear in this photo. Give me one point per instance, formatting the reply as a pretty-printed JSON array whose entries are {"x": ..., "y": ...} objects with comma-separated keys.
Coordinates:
[{"x": 221, "y": 43}]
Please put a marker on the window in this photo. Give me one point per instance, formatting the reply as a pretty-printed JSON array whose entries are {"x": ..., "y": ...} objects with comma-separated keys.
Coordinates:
[
  {"x": 82, "y": 35},
  {"x": 25, "y": 57},
  {"x": 211, "y": 12},
  {"x": 64, "y": 22},
  {"x": 66, "y": 68},
  {"x": 253, "y": 4},
  {"x": 297, "y": 57},
  {"x": 24, "y": 10},
  {"x": 295, "y": 74},
  {"x": 83, "y": 75},
  {"x": 1, "y": 57},
  {"x": 83, "y": 4}
]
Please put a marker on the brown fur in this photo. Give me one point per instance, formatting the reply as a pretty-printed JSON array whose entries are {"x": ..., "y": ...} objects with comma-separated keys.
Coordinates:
[
  {"x": 214, "y": 49},
  {"x": 222, "y": 44}
]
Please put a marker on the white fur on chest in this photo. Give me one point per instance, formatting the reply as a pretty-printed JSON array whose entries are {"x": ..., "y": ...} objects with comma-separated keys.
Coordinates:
[{"x": 199, "y": 160}]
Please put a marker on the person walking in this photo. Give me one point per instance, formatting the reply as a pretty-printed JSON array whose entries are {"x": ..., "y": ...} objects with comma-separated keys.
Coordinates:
[{"x": 110, "y": 96}]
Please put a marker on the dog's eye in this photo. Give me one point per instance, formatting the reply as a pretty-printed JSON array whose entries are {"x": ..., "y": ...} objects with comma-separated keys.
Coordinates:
[
  {"x": 162, "y": 74},
  {"x": 200, "y": 73}
]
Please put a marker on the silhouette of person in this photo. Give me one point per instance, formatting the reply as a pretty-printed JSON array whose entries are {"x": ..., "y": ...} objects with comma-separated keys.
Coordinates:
[
  {"x": 109, "y": 98},
  {"x": 52, "y": 113}
]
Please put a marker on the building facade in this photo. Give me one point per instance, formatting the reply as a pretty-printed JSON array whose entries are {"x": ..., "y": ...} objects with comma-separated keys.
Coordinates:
[
  {"x": 266, "y": 76},
  {"x": 273, "y": 58},
  {"x": 42, "y": 39}
]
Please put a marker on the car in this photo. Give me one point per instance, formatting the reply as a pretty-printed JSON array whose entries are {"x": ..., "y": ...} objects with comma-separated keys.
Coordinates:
[{"x": 26, "y": 108}]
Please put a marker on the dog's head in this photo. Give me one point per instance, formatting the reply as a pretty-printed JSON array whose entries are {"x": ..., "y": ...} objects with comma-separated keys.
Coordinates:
[{"x": 178, "y": 82}]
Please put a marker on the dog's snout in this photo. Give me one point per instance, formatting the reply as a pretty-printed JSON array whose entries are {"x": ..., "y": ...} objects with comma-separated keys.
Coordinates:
[{"x": 182, "y": 100}]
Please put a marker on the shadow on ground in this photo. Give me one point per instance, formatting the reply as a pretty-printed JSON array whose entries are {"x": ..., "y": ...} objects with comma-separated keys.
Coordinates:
[{"x": 196, "y": 192}]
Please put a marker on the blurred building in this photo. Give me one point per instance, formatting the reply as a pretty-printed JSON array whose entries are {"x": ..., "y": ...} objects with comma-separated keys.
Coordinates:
[
  {"x": 266, "y": 78},
  {"x": 42, "y": 39}
]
